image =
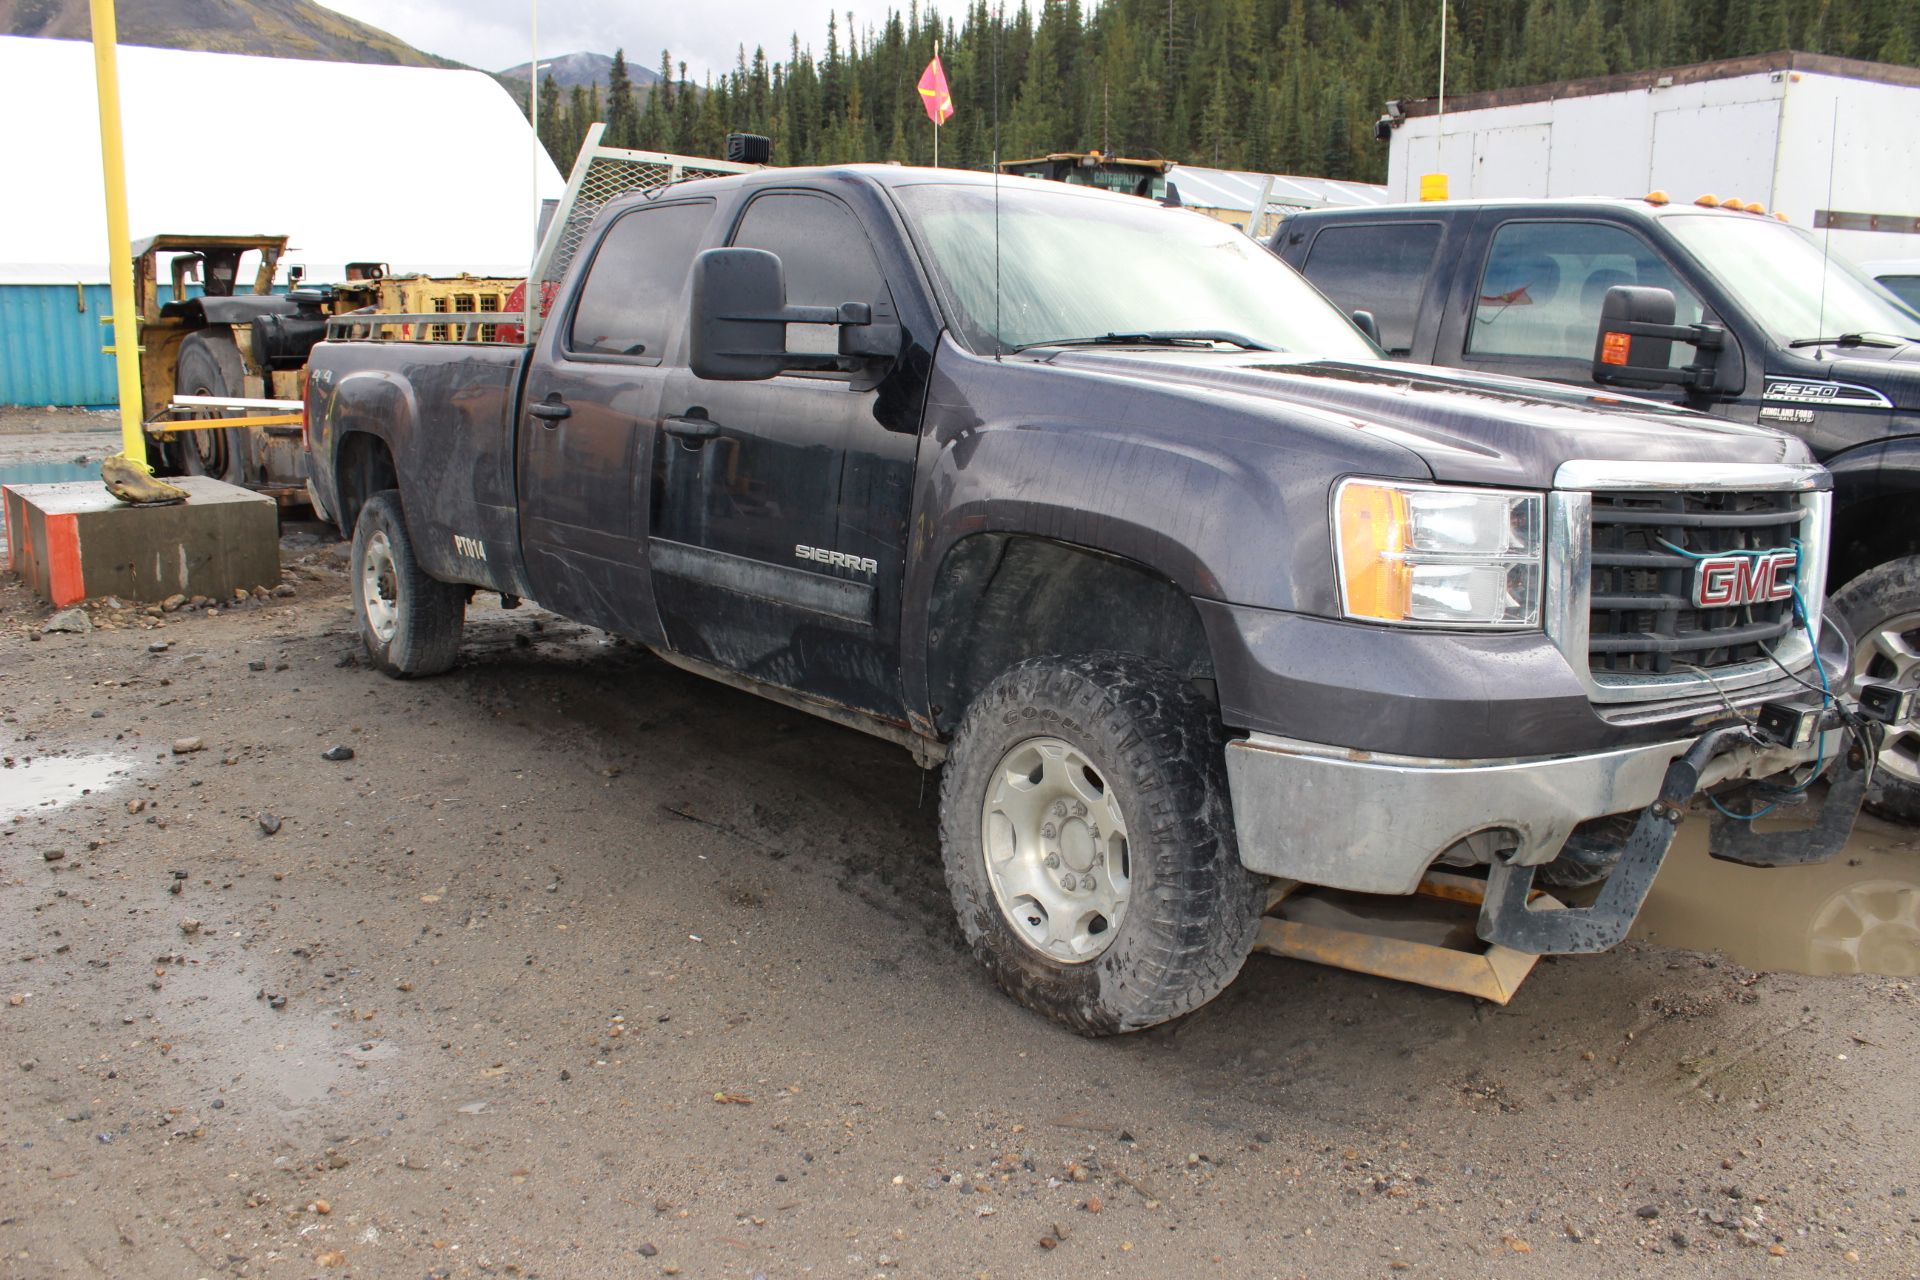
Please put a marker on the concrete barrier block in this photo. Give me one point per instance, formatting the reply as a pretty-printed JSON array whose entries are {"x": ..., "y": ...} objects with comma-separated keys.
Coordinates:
[{"x": 75, "y": 541}]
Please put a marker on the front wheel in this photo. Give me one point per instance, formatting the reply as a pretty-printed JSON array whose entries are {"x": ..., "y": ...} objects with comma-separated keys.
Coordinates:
[
  {"x": 1089, "y": 843},
  {"x": 1882, "y": 608},
  {"x": 410, "y": 622}
]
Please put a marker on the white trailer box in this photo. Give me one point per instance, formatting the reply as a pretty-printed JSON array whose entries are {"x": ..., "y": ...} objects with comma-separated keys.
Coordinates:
[{"x": 1823, "y": 140}]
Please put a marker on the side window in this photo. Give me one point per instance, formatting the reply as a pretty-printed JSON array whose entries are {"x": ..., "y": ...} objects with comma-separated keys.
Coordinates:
[
  {"x": 630, "y": 301},
  {"x": 825, "y": 253},
  {"x": 1541, "y": 293},
  {"x": 1380, "y": 267}
]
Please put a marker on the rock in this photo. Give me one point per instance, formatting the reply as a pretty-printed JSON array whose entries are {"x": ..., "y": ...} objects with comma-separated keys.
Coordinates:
[
  {"x": 284, "y": 590},
  {"x": 1648, "y": 1211},
  {"x": 68, "y": 622},
  {"x": 187, "y": 746},
  {"x": 320, "y": 1206},
  {"x": 172, "y": 602},
  {"x": 190, "y": 926},
  {"x": 276, "y": 1002},
  {"x": 268, "y": 823},
  {"x": 239, "y": 593},
  {"x": 648, "y": 1249},
  {"x": 337, "y": 754},
  {"x": 54, "y": 855},
  {"x": 331, "y": 1258},
  {"x": 136, "y": 806},
  {"x": 159, "y": 646},
  {"x": 257, "y": 665}
]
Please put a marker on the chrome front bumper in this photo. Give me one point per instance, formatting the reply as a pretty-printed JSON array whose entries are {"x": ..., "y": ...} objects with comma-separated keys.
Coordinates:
[{"x": 1374, "y": 824}]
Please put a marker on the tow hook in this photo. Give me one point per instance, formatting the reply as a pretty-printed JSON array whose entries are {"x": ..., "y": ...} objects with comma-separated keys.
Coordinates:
[{"x": 1505, "y": 919}]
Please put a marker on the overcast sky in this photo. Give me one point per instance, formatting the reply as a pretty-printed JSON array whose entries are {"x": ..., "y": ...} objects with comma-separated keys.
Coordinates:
[{"x": 495, "y": 34}]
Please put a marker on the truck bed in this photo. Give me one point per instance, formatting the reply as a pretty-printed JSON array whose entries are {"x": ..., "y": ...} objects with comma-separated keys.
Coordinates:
[{"x": 458, "y": 491}]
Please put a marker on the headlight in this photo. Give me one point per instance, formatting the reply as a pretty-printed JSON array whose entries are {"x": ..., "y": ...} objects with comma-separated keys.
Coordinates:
[{"x": 1429, "y": 555}]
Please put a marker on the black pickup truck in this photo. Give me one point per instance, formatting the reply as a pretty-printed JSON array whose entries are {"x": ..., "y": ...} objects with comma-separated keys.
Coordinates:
[
  {"x": 1104, "y": 508},
  {"x": 1776, "y": 331}
]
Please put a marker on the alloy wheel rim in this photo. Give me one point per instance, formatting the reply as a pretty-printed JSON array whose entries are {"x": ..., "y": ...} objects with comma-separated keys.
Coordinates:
[
  {"x": 380, "y": 587},
  {"x": 1054, "y": 842},
  {"x": 1890, "y": 654}
]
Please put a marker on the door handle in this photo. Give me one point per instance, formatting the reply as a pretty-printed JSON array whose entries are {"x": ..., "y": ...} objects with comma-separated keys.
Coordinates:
[
  {"x": 693, "y": 427},
  {"x": 550, "y": 410}
]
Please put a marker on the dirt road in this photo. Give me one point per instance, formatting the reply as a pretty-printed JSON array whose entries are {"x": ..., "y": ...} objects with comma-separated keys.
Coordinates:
[{"x": 584, "y": 967}]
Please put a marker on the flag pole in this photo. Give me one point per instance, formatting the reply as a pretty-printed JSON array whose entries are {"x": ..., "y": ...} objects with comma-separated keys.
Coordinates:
[{"x": 936, "y": 116}]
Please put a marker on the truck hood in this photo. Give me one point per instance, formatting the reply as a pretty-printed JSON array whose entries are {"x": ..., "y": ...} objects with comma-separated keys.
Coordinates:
[
  {"x": 1469, "y": 428},
  {"x": 1892, "y": 371}
]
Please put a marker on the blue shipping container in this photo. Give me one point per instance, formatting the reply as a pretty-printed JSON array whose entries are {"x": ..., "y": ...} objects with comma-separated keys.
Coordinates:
[{"x": 50, "y": 340}]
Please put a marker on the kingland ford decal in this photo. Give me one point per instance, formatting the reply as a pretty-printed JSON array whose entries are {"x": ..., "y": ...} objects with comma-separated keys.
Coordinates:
[{"x": 1816, "y": 394}]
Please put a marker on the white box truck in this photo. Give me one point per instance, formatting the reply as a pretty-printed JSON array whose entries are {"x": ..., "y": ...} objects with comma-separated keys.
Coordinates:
[{"x": 1826, "y": 141}]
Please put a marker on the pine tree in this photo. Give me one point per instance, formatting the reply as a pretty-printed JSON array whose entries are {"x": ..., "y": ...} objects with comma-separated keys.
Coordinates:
[{"x": 623, "y": 120}]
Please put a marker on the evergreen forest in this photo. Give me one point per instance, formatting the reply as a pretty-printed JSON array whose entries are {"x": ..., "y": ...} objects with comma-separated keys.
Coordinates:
[{"x": 1285, "y": 86}]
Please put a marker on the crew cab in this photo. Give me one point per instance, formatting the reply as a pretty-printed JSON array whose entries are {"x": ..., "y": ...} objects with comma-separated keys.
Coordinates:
[
  {"x": 1779, "y": 333},
  {"x": 1106, "y": 511}
]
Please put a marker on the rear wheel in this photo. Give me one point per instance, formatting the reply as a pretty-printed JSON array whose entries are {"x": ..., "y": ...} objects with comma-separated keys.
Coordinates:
[
  {"x": 1089, "y": 843},
  {"x": 1882, "y": 608},
  {"x": 209, "y": 365},
  {"x": 409, "y": 622}
]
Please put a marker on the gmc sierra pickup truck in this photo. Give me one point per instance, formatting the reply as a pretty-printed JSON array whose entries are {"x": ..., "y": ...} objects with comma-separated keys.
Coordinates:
[
  {"x": 1773, "y": 330},
  {"x": 1103, "y": 508}
]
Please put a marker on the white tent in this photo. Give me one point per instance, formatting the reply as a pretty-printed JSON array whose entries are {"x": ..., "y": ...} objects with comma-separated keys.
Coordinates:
[{"x": 428, "y": 170}]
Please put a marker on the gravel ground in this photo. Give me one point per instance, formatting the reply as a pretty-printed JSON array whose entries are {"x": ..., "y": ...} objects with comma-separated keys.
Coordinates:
[{"x": 585, "y": 967}]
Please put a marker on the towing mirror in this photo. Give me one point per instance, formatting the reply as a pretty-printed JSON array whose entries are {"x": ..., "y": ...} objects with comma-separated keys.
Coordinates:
[
  {"x": 1635, "y": 345},
  {"x": 740, "y": 316}
]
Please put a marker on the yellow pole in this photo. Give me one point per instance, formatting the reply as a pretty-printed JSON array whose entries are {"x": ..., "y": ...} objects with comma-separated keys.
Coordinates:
[{"x": 113, "y": 167}]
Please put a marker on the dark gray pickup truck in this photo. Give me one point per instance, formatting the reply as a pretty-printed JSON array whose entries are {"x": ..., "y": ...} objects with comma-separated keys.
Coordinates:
[{"x": 1104, "y": 508}]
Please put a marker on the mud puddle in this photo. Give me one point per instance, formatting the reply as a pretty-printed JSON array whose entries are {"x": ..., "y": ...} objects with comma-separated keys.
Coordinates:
[
  {"x": 1859, "y": 913},
  {"x": 35, "y": 783}
]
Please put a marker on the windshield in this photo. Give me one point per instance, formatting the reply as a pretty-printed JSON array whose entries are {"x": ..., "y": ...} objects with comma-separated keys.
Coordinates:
[
  {"x": 1076, "y": 266},
  {"x": 1777, "y": 272}
]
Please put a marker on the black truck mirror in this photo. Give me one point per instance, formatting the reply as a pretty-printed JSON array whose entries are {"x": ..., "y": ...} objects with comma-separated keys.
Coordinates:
[
  {"x": 1365, "y": 323},
  {"x": 1635, "y": 344},
  {"x": 740, "y": 316},
  {"x": 739, "y": 322}
]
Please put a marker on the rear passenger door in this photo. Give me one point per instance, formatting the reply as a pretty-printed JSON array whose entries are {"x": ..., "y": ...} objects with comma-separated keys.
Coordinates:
[
  {"x": 1388, "y": 268},
  {"x": 590, "y": 413}
]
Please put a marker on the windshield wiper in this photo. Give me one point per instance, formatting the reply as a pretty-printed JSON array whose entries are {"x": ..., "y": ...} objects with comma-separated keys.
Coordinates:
[
  {"x": 1853, "y": 340},
  {"x": 1158, "y": 337}
]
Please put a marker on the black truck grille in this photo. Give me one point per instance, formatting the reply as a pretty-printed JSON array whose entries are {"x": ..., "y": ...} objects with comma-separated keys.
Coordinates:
[{"x": 1643, "y": 619}]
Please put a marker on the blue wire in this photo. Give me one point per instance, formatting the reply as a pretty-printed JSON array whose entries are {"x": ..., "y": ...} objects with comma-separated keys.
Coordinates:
[{"x": 1826, "y": 690}]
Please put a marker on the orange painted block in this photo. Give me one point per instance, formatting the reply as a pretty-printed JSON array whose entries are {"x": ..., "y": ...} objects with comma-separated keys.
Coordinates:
[{"x": 75, "y": 541}]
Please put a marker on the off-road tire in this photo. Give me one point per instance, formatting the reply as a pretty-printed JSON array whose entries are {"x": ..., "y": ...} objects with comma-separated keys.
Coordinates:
[
  {"x": 209, "y": 364},
  {"x": 1882, "y": 599},
  {"x": 423, "y": 617},
  {"x": 1194, "y": 909}
]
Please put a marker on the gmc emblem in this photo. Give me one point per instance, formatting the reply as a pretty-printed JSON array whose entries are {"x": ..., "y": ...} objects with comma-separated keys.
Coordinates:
[{"x": 1724, "y": 582}]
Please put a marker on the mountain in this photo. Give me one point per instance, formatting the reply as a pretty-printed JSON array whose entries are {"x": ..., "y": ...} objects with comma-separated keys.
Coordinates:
[
  {"x": 267, "y": 28},
  {"x": 570, "y": 69}
]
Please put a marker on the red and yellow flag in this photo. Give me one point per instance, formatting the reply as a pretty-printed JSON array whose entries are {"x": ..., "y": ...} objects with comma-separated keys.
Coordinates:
[{"x": 934, "y": 95}]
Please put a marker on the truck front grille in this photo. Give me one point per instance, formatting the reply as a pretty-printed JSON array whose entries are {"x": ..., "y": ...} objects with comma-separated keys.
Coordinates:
[{"x": 1643, "y": 620}]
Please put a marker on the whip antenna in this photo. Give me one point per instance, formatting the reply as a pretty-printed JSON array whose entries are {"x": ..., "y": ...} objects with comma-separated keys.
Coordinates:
[
  {"x": 999, "y": 16},
  {"x": 1826, "y": 235}
]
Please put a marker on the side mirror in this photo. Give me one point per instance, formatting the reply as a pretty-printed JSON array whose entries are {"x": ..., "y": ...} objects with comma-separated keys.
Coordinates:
[
  {"x": 739, "y": 318},
  {"x": 1365, "y": 323},
  {"x": 739, "y": 323},
  {"x": 1635, "y": 345}
]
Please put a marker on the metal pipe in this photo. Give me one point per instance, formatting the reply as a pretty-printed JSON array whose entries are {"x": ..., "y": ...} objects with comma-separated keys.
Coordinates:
[{"x": 113, "y": 167}]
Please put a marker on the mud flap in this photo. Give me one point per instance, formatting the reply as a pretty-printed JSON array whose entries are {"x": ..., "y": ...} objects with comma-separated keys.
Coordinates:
[{"x": 1735, "y": 841}]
